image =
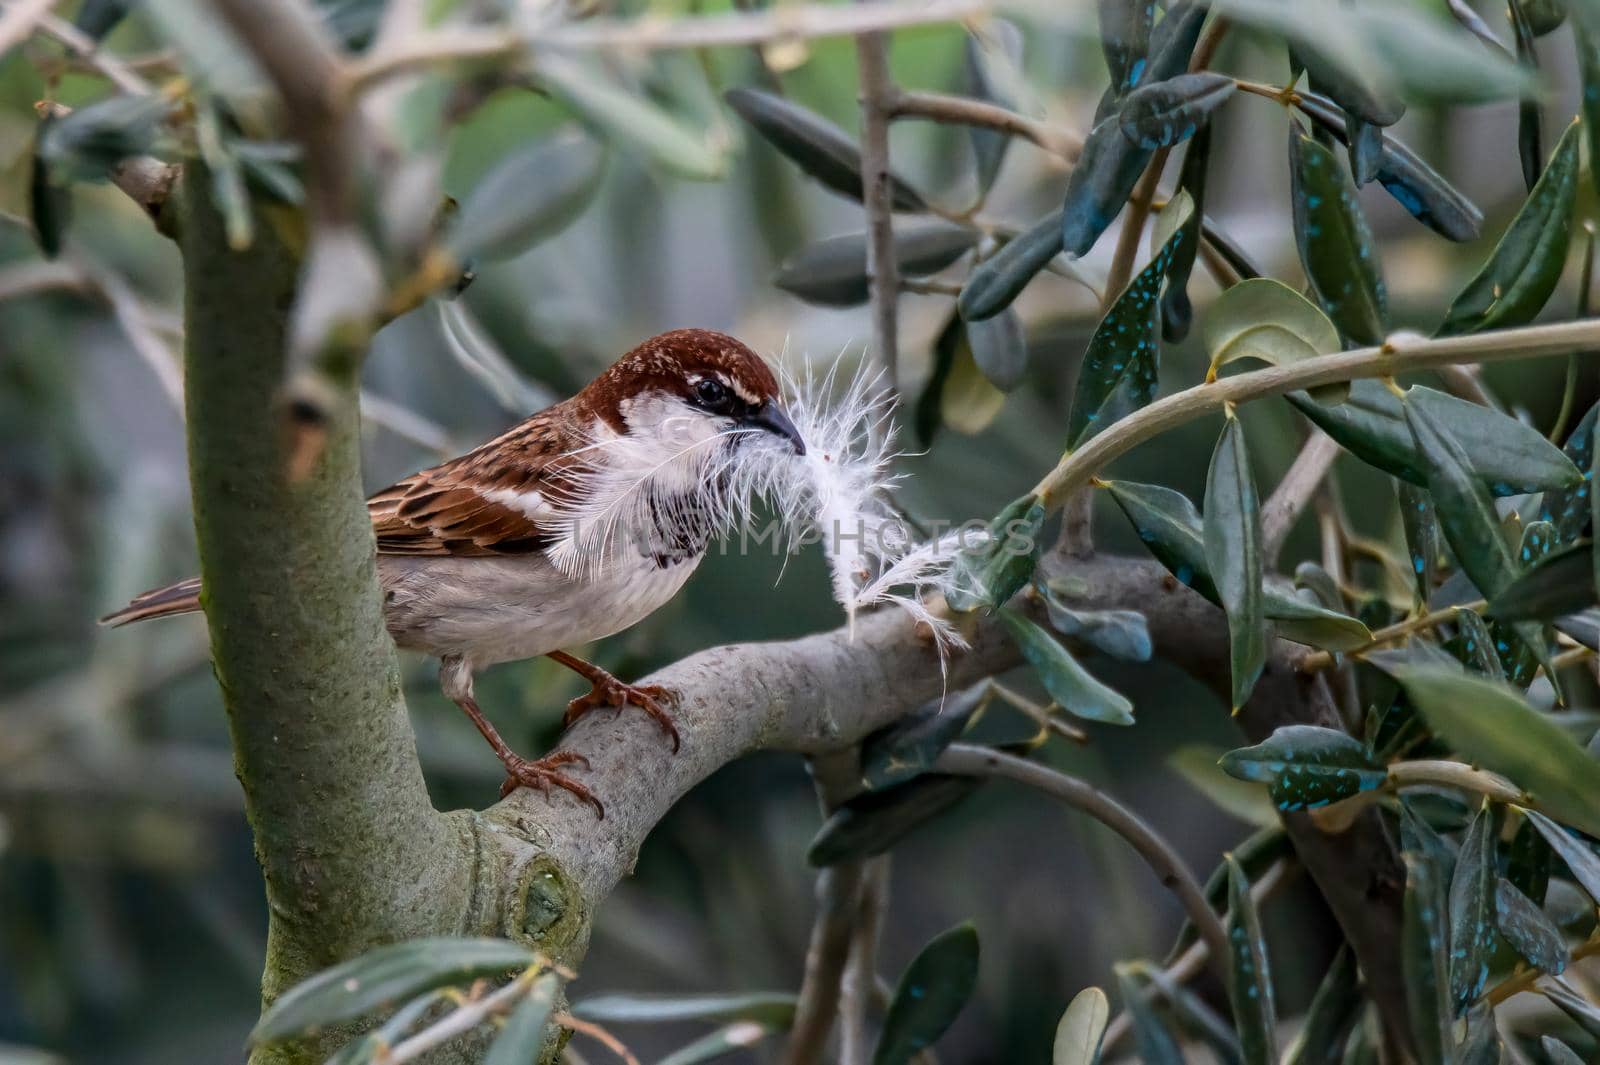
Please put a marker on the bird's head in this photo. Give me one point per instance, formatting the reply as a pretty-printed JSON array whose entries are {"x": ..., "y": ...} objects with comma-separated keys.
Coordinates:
[{"x": 686, "y": 388}]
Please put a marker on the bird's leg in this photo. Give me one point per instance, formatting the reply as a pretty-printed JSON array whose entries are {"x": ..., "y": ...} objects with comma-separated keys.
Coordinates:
[
  {"x": 456, "y": 679},
  {"x": 609, "y": 691}
]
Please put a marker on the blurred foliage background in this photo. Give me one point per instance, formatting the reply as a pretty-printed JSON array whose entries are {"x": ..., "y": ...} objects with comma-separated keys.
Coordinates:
[{"x": 131, "y": 914}]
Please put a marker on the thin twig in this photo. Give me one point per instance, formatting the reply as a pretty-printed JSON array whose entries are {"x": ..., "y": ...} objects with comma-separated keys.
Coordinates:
[
  {"x": 462, "y": 1019},
  {"x": 1294, "y": 492},
  {"x": 877, "y": 195},
  {"x": 964, "y": 111},
  {"x": 968, "y": 760},
  {"x": 1319, "y": 660},
  {"x": 1463, "y": 382},
  {"x": 1189, "y": 963},
  {"x": 861, "y": 973},
  {"x": 598, "y": 1034},
  {"x": 86, "y": 48},
  {"x": 1400, "y": 354},
  {"x": 786, "y": 22}
]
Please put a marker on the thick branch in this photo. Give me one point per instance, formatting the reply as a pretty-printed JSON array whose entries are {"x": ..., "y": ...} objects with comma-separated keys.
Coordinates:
[{"x": 351, "y": 850}]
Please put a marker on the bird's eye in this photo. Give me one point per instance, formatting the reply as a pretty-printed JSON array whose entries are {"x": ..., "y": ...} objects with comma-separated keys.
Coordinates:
[{"x": 710, "y": 392}]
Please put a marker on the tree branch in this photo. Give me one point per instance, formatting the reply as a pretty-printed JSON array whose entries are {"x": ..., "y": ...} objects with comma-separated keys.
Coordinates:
[
  {"x": 964, "y": 111},
  {"x": 1294, "y": 492},
  {"x": 351, "y": 850},
  {"x": 877, "y": 195}
]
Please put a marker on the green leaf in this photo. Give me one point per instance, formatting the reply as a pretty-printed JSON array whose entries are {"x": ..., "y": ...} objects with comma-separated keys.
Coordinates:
[
  {"x": 1233, "y": 555},
  {"x": 364, "y": 1049},
  {"x": 740, "y": 1035},
  {"x": 1558, "y": 1052},
  {"x": 1101, "y": 181},
  {"x": 1580, "y": 1009},
  {"x": 526, "y": 197},
  {"x": 1298, "y": 620},
  {"x": 1176, "y": 310},
  {"x": 1155, "y": 1044},
  {"x": 1423, "y": 961},
  {"x": 1123, "y": 634},
  {"x": 1510, "y": 458},
  {"x": 1494, "y": 727},
  {"x": 1306, "y": 766},
  {"x": 1197, "y": 764},
  {"x": 97, "y": 18},
  {"x": 989, "y": 574},
  {"x": 1528, "y": 864},
  {"x": 1475, "y": 646},
  {"x": 1267, "y": 320},
  {"x": 1336, "y": 247},
  {"x": 993, "y": 52},
  {"x": 999, "y": 349},
  {"x": 1119, "y": 368},
  {"x": 833, "y": 272},
  {"x": 1472, "y": 911},
  {"x": 1125, "y": 39},
  {"x": 1161, "y": 114},
  {"x": 1530, "y": 933},
  {"x": 875, "y": 821},
  {"x": 1524, "y": 268},
  {"x": 1250, "y": 981},
  {"x": 1073, "y": 688},
  {"x": 910, "y": 746},
  {"x": 1081, "y": 1029},
  {"x": 1466, "y": 512},
  {"x": 1481, "y": 1044},
  {"x": 932, "y": 990},
  {"x": 820, "y": 148},
  {"x": 1354, "y": 95},
  {"x": 633, "y": 120},
  {"x": 968, "y": 401},
  {"x": 996, "y": 281},
  {"x": 522, "y": 1038},
  {"x": 1589, "y": 99},
  {"x": 379, "y": 977},
  {"x": 1256, "y": 855},
  {"x": 771, "y": 1008},
  {"x": 1421, "y": 526},
  {"x": 1556, "y": 585},
  {"x": 1334, "y": 1012},
  {"x": 1544, "y": 16},
  {"x": 1415, "y": 185},
  {"x": 1171, "y": 528},
  {"x": 1530, "y": 116},
  {"x": 1568, "y": 508},
  {"x": 49, "y": 201},
  {"x": 86, "y": 144},
  {"x": 1580, "y": 859}
]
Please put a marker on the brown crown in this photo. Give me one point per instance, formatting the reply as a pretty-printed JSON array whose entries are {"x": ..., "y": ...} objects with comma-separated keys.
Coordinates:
[{"x": 672, "y": 362}]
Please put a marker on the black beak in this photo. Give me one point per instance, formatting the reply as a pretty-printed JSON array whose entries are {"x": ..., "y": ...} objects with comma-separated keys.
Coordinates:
[{"x": 770, "y": 416}]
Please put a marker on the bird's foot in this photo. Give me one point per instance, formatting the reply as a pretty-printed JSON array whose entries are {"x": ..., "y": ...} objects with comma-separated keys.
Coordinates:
[
  {"x": 609, "y": 691},
  {"x": 543, "y": 772}
]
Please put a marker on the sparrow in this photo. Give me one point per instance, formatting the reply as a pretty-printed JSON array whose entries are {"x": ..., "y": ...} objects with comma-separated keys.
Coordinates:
[{"x": 571, "y": 526}]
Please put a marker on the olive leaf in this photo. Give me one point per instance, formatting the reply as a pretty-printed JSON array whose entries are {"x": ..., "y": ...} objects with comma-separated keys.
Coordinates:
[
  {"x": 1569, "y": 508},
  {"x": 1558, "y": 584},
  {"x": 1334, "y": 1011},
  {"x": 529, "y": 195},
  {"x": 817, "y": 146},
  {"x": 1416, "y": 186},
  {"x": 775, "y": 1008},
  {"x": 1071, "y": 686},
  {"x": 1472, "y": 910},
  {"x": 1530, "y": 115},
  {"x": 1336, "y": 246},
  {"x": 968, "y": 401},
  {"x": 1125, "y": 39},
  {"x": 1525, "y": 266},
  {"x": 718, "y": 1044},
  {"x": 1424, "y": 961},
  {"x": 1476, "y": 647},
  {"x": 1250, "y": 979},
  {"x": 874, "y": 821},
  {"x": 1233, "y": 555},
  {"x": 931, "y": 992},
  {"x": 1421, "y": 527},
  {"x": 1176, "y": 310},
  {"x": 990, "y": 573},
  {"x": 1081, "y": 1028},
  {"x": 49, "y": 200},
  {"x": 1101, "y": 181},
  {"x": 1491, "y": 725},
  {"x": 1267, "y": 320},
  {"x": 999, "y": 349},
  {"x": 1155, "y": 1043},
  {"x": 833, "y": 272},
  {"x": 1306, "y": 766},
  {"x": 634, "y": 120},
  {"x": 993, "y": 53},
  {"x": 1579, "y": 857},
  {"x": 1588, "y": 41},
  {"x": 910, "y": 746},
  {"x": 1526, "y": 928},
  {"x": 523, "y": 1035},
  {"x": 1123, "y": 634},
  {"x": 1557, "y": 1052},
  {"x": 1544, "y": 16},
  {"x": 1119, "y": 369},
  {"x": 996, "y": 281},
  {"x": 1161, "y": 114},
  {"x": 382, "y": 976},
  {"x": 1200, "y": 766},
  {"x": 1528, "y": 862},
  {"x": 1510, "y": 458}
]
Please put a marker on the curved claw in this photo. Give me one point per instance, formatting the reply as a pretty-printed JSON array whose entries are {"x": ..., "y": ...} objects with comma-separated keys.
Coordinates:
[
  {"x": 648, "y": 698},
  {"x": 542, "y": 773}
]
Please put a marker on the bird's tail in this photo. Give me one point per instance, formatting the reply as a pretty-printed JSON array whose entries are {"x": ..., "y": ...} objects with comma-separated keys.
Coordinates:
[{"x": 180, "y": 598}]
